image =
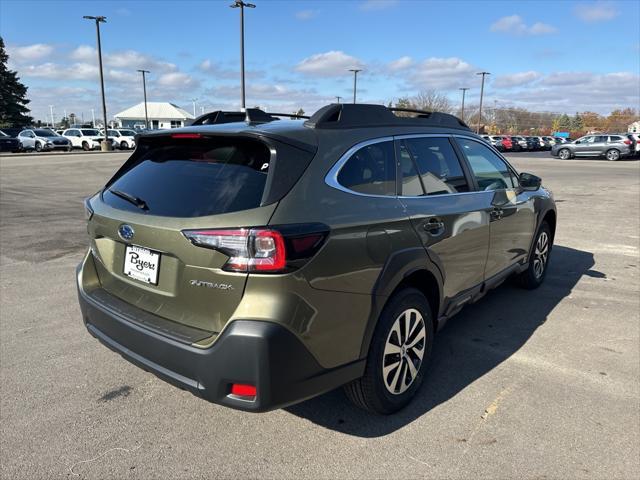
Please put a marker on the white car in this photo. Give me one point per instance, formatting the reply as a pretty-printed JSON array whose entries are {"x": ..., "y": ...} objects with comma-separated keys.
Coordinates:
[
  {"x": 123, "y": 138},
  {"x": 42, "y": 139},
  {"x": 84, "y": 138}
]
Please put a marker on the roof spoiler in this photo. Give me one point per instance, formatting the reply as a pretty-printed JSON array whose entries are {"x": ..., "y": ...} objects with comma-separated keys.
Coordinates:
[
  {"x": 251, "y": 116},
  {"x": 362, "y": 115}
]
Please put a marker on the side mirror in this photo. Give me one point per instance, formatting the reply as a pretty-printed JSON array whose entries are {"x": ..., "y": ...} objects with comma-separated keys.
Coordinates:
[
  {"x": 530, "y": 182},
  {"x": 577, "y": 141}
]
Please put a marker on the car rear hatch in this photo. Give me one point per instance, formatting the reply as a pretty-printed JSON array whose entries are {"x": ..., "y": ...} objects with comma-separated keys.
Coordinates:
[{"x": 174, "y": 185}]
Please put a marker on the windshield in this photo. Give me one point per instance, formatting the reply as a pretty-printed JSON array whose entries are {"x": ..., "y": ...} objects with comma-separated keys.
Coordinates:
[
  {"x": 90, "y": 132},
  {"x": 45, "y": 133},
  {"x": 114, "y": 133}
]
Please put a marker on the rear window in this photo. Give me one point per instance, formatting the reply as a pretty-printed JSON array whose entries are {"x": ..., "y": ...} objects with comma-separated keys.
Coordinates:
[{"x": 193, "y": 178}]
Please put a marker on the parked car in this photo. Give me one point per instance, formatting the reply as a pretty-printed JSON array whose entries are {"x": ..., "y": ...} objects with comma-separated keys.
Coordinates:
[
  {"x": 504, "y": 142},
  {"x": 84, "y": 138},
  {"x": 635, "y": 139},
  {"x": 9, "y": 144},
  {"x": 544, "y": 144},
  {"x": 496, "y": 142},
  {"x": 213, "y": 264},
  {"x": 42, "y": 139},
  {"x": 562, "y": 140},
  {"x": 123, "y": 138},
  {"x": 521, "y": 142},
  {"x": 611, "y": 147},
  {"x": 550, "y": 140}
]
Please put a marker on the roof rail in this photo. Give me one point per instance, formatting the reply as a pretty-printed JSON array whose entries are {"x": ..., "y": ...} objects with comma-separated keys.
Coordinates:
[
  {"x": 251, "y": 115},
  {"x": 362, "y": 115}
]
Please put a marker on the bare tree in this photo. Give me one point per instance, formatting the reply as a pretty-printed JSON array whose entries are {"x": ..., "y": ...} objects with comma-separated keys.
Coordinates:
[{"x": 429, "y": 100}]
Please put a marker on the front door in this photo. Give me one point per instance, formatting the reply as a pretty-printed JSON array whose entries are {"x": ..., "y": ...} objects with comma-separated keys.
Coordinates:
[
  {"x": 511, "y": 212},
  {"x": 450, "y": 219}
]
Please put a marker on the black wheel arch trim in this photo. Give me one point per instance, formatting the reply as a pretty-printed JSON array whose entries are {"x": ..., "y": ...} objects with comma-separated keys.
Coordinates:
[{"x": 399, "y": 266}]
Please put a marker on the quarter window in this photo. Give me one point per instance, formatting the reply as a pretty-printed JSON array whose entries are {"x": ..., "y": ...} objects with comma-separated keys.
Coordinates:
[
  {"x": 438, "y": 165},
  {"x": 489, "y": 170},
  {"x": 371, "y": 170}
]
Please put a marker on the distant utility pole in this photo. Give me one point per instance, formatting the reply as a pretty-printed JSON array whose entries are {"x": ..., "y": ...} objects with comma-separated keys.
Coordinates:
[
  {"x": 93, "y": 118},
  {"x": 99, "y": 20},
  {"x": 338, "y": 97},
  {"x": 484, "y": 74},
  {"x": 144, "y": 90},
  {"x": 241, "y": 5},
  {"x": 464, "y": 91},
  {"x": 194, "y": 106},
  {"x": 51, "y": 111},
  {"x": 355, "y": 81}
]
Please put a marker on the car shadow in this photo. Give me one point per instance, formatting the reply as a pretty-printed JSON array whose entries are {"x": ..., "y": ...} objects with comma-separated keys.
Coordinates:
[{"x": 473, "y": 342}]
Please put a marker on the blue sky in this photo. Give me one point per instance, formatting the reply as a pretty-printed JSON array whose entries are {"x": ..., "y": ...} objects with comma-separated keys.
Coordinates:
[{"x": 558, "y": 56}]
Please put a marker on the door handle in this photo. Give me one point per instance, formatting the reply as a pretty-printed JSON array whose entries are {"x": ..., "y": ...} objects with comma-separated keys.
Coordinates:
[
  {"x": 496, "y": 214},
  {"x": 434, "y": 227}
]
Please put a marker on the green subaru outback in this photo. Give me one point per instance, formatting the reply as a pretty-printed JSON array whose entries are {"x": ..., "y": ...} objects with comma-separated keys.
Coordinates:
[{"x": 258, "y": 262}]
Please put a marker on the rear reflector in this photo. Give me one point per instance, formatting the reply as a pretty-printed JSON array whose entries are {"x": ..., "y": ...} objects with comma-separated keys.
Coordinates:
[
  {"x": 242, "y": 390},
  {"x": 186, "y": 135}
]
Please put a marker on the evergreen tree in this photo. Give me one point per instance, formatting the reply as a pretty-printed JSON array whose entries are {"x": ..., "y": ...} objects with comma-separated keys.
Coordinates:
[
  {"x": 577, "y": 125},
  {"x": 13, "y": 101},
  {"x": 564, "y": 123}
]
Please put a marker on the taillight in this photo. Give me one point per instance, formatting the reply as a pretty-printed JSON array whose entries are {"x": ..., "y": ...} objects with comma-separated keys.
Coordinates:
[
  {"x": 262, "y": 250},
  {"x": 627, "y": 142}
]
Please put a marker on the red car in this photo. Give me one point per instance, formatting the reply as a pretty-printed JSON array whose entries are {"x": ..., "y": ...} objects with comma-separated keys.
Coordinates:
[{"x": 507, "y": 144}]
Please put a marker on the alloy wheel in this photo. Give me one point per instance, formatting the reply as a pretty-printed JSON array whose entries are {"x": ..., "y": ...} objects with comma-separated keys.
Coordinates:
[
  {"x": 613, "y": 155},
  {"x": 403, "y": 351},
  {"x": 564, "y": 154},
  {"x": 541, "y": 254}
]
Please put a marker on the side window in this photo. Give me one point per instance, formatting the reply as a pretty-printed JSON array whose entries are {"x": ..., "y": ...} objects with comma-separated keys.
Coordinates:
[
  {"x": 371, "y": 170},
  {"x": 587, "y": 140},
  {"x": 489, "y": 170},
  {"x": 600, "y": 139},
  {"x": 438, "y": 165},
  {"x": 411, "y": 184}
]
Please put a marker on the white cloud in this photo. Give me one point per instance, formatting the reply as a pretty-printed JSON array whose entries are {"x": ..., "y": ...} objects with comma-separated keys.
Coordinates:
[
  {"x": 306, "y": 14},
  {"x": 515, "y": 79},
  {"x": 29, "y": 53},
  {"x": 173, "y": 80},
  {"x": 596, "y": 11},
  {"x": 401, "y": 64},
  {"x": 131, "y": 59},
  {"x": 515, "y": 25},
  {"x": 329, "y": 64},
  {"x": 370, "y": 5},
  {"x": 84, "y": 53},
  {"x": 441, "y": 73}
]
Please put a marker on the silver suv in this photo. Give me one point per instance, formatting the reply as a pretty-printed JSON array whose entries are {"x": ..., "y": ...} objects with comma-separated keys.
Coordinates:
[{"x": 612, "y": 147}]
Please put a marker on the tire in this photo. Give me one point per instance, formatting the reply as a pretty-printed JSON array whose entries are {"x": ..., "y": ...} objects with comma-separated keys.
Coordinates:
[
  {"x": 69, "y": 148},
  {"x": 533, "y": 276},
  {"x": 124, "y": 146},
  {"x": 386, "y": 394},
  {"x": 564, "y": 154},
  {"x": 38, "y": 147},
  {"x": 85, "y": 146},
  {"x": 612, "y": 155}
]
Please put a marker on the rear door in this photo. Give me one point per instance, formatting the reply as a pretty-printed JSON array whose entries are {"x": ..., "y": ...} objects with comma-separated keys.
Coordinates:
[
  {"x": 450, "y": 219},
  {"x": 511, "y": 211},
  {"x": 175, "y": 184}
]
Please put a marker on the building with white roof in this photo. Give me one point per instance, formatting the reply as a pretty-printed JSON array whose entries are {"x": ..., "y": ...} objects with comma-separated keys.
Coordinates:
[{"x": 161, "y": 115}]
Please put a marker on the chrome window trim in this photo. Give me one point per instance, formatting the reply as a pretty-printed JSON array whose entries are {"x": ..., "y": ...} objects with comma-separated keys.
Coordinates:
[{"x": 331, "y": 178}]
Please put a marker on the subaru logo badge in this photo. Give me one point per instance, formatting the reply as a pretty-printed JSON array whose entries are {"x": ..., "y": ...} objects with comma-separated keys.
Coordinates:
[{"x": 126, "y": 231}]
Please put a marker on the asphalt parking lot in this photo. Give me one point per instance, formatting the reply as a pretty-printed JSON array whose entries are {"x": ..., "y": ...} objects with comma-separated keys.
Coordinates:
[{"x": 541, "y": 384}]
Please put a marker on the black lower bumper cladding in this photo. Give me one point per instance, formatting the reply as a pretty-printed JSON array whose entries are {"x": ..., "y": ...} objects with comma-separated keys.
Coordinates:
[{"x": 259, "y": 353}]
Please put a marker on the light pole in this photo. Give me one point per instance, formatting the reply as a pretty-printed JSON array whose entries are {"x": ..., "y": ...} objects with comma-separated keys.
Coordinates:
[
  {"x": 99, "y": 20},
  {"x": 194, "y": 105},
  {"x": 484, "y": 74},
  {"x": 464, "y": 91},
  {"x": 241, "y": 5},
  {"x": 51, "y": 111},
  {"x": 355, "y": 81},
  {"x": 338, "y": 97},
  {"x": 144, "y": 90},
  {"x": 93, "y": 118}
]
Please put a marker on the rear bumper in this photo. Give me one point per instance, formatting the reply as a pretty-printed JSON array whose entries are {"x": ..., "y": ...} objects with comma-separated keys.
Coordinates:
[{"x": 252, "y": 352}]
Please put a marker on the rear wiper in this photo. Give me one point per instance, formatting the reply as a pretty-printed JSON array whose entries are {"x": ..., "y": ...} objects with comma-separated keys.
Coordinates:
[{"x": 138, "y": 202}]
